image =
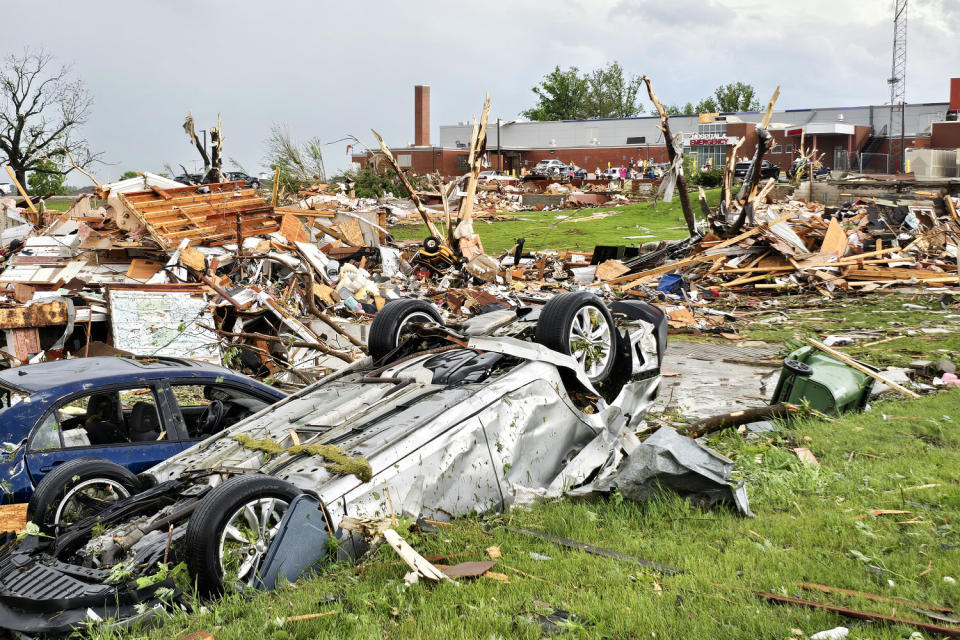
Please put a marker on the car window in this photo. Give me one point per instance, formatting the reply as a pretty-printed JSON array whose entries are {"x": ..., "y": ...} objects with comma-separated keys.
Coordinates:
[
  {"x": 10, "y": 397},
  {"x": 48, "y": 435},
  {"x": 103, "y": 418},
  {"x": 209, "y": 408}
]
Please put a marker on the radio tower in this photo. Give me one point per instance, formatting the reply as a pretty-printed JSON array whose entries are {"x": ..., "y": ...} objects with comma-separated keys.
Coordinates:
[{"x": 897, "y": 82}]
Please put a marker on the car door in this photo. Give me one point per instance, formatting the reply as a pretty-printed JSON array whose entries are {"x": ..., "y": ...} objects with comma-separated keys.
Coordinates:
[
  {"x": 126, "y": 424},
  {"x": 192, "y": 400}
]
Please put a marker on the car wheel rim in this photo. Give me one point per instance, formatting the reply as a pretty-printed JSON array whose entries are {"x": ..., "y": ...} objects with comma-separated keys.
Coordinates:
[
  {"x": 591, "y": 340},
  {"x": 88, "y": 498},
  {"x": 405, "y": 331},
  {"x": 246, "y": 538}
]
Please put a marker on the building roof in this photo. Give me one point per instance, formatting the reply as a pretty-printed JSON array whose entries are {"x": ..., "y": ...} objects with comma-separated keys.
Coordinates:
[{"x": 642, "y": 130}]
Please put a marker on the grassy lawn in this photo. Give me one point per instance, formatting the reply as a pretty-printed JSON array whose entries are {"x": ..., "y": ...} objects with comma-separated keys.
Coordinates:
[
  {"x": 574, "y": 228},
  {"x": 875, "y": 317},
  {"x": 812, "y": 524}
]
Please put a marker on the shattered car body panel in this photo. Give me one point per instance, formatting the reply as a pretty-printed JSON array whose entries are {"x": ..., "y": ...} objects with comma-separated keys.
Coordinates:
[{"x": 474, "y": 426}]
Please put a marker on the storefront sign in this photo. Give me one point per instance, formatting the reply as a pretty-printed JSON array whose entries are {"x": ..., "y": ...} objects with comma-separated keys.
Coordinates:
[{"x": 702, "y": 140}]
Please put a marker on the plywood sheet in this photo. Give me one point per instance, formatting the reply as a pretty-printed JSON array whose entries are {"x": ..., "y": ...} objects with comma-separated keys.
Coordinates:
[{"x": 835, "y": 241}]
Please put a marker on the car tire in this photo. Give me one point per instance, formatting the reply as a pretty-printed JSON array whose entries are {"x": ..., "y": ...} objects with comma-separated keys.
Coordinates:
[
  {"x": 255, "y": 185},
  {"x": 65, "y": 482},
  {"x": 207, "y": 534},
  {"x": 431, "y": 244},
  {"x": 387, "y": 327},
  {"x": 563, "y": 323}
]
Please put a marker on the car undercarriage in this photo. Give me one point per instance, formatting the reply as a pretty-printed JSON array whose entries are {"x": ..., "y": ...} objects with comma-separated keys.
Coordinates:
[{"x": 440, "y": 421}]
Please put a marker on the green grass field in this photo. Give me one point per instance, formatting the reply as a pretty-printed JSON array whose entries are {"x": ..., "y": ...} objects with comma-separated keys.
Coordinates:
[
  {"x": 812, "y": 524},
  {"x": 630, "y": 225}
]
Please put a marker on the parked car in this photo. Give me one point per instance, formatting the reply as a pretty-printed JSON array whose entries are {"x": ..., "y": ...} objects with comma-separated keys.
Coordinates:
[
  {"x": 767, "y": 170},
  {"x": 552, "y": 168},
  {"x": 252, "y": 182},
  {"x": 446, "y": 419},
  {"x": 612, "y": 173},
  {"x": 578, "y": 172},
  {"x": 819, "y": 170},
  {"x": 490, "y": 176},
  {"x": 189, "y": 178},
  {"x": 129, "y": 412}
]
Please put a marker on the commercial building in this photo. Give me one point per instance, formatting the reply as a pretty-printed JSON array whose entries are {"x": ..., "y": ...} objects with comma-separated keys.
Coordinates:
[{"x": 848, "y": 138}]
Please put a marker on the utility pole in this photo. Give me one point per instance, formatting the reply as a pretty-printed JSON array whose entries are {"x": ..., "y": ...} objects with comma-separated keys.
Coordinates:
[
  {"x": 897, "y": 82},
  {"x": 499, "y": 155}
]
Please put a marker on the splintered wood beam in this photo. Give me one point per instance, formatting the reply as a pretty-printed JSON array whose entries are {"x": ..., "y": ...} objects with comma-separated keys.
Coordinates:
[
  {"x": 769, "y": 114},
  {"x": 13, "y": 176},
  {"x": 477, "y": 145},
  {"x": 432, "y": 228},
  {"x": 672, "y": 155},
  {"x": 728, "y": 174}
]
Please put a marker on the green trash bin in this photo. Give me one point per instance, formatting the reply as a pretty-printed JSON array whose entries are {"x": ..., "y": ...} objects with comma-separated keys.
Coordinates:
[{"x": 826, "y": 384}]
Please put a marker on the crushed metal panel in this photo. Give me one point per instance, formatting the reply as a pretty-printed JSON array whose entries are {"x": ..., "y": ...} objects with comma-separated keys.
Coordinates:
[{"x": 154, "y": 322}]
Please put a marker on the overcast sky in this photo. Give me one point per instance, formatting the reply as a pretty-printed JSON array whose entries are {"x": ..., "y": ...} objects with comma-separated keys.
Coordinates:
[{"x": 329, "y": 69}]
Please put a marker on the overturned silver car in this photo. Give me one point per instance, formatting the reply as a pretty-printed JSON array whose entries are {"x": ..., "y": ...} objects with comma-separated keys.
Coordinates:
[{"x": 440, "y": 421}]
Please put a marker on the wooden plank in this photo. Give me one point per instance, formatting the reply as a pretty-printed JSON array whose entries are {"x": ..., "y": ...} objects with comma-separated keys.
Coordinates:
[
  {"x": 147, "y": 195},
  {"x": 639, "y": 278},
  {"x": 750, "y": 232},
  {"x": 160, "y": 192},
  {"x": 862, "y": 369},
  {"x": 35, "y": 315},
  {"x": 880, "y": 273},
  {"x": 835, "y": 241},
  {"x": 142, "y": 269},
  {"x": 13, "y": 517},
  {"x": 26, "y": 343}
]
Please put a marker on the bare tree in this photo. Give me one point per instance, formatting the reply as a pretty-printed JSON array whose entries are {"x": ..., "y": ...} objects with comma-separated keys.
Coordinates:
[
  {"x": 41, "y": 110},
  {"x": 212, "y": 163}
]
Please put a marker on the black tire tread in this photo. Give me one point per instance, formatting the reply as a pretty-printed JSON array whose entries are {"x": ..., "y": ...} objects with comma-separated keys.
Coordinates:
[
  {"x": 53, "y": 485},
  {"x": 201, "y": 542},
  {"x": 383, "y": 329}
]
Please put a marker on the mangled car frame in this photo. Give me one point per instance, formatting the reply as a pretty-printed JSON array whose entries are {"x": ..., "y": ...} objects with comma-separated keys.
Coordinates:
[{"x": 446, "y": 419}]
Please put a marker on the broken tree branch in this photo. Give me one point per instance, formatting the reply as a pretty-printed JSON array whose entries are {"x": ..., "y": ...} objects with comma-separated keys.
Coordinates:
[
  {"x": 672, "y": 156},
  {"x": 432, "y": 228},
  {"x": 736, "y": 418}
]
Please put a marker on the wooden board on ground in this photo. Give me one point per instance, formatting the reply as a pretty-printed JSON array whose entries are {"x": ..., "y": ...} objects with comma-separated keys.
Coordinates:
[
  {"x": 13, "y": 517},
  {"x": 350, "y": 229},
  {"x": 610, "y": 269},
  {"x": 835, "y": 241}
]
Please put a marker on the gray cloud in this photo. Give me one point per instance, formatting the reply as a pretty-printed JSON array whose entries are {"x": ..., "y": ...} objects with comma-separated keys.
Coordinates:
[{"x": 327, "y": 68}]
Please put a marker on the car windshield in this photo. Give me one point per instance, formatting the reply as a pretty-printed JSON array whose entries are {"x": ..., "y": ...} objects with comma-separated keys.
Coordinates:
[{"x": 10, "y": 397}]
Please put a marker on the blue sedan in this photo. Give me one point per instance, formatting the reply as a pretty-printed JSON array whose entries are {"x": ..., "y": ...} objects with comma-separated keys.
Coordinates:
[{"x": 130, "y": 411}]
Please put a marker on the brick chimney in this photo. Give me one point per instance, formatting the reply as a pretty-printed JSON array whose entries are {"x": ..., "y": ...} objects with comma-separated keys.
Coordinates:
[
  {"x": 421, "y": 115},
  {"x": 955, "y": 94}
]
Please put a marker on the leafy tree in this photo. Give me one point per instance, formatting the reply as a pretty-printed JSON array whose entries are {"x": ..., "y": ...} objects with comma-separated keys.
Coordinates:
[
  {"x": 561, "y": 95},
  {"x": 612, "y": 94},
  {"x": 46, "y": 179},
  {"x": 736, "y": 96},
  {"x": 606, "y": 92},
  {"x": 727, "y": 98},
  {"x": 676, "y": 110},
  {"x": 41, "y": 111},
  {"x": 368, "y": 182},
  {"x": 128, "y": 174}
]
